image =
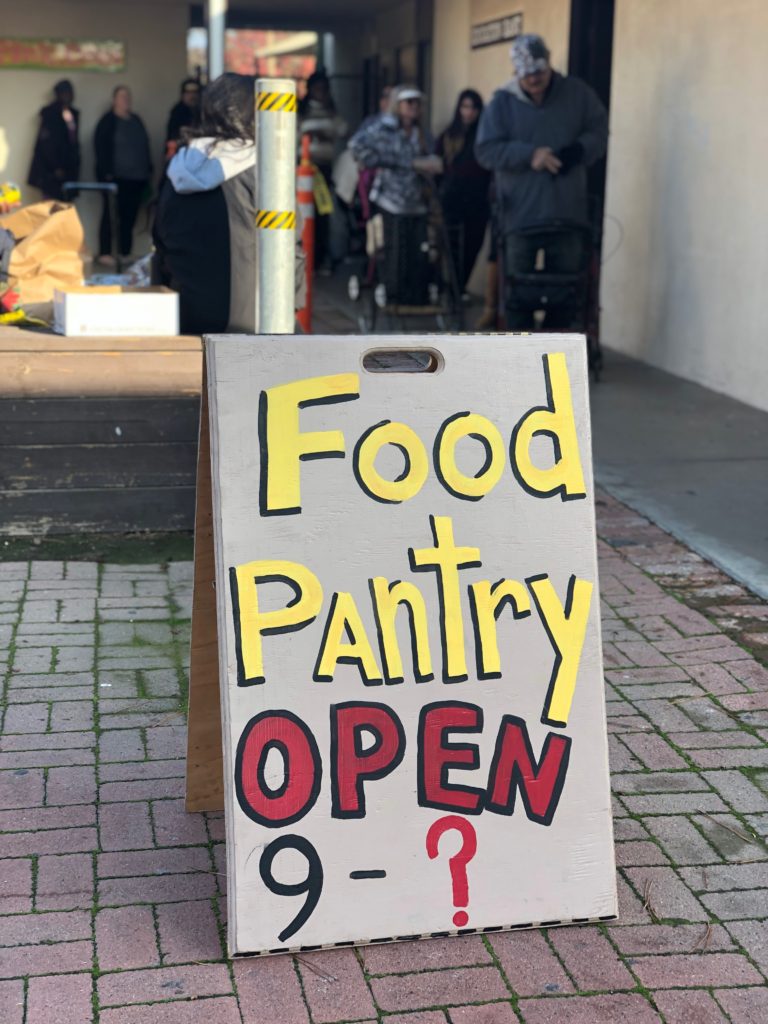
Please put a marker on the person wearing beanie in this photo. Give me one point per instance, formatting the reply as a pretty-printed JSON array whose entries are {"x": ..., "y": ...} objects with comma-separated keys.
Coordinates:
[{"x": 539, "y": 134}]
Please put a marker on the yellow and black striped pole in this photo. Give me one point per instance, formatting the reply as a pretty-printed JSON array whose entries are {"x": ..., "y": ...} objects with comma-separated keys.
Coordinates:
[{"x": 276, "y": 197}]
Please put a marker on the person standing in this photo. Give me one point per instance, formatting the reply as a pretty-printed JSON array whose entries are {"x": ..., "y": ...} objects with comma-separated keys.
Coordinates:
[
  {"x": 318, "y": 119},
  {"x": 56, "y": 157},
  {"x": 185, "y": 114},
  {"x": 399, "y": 150},
  {"x": 122, "y": 157},
  {"x": 205, "y": 243},
  {"x": 383, "y": 108},
  {"x": 464, "y": 185},
  {"x": 539, "y": 134}
]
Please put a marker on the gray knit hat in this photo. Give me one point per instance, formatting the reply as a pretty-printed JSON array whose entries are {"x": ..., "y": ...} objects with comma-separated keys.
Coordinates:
[{"x": 529, "y": 54}]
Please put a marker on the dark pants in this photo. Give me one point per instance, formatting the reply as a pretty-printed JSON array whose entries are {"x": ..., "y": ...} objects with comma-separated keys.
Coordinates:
[
  {"x": 129, "y": 195},
  {"x": 323, "y": 255},
  {"x": 564, "y": 253},
  {"x": 466, "y": 232}
]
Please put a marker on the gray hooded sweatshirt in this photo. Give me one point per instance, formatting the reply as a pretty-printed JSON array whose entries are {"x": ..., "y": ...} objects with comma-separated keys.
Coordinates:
[{"x": 512, "y": 127}]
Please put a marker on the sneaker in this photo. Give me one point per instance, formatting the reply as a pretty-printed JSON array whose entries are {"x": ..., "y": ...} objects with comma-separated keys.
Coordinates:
[{"x": 105, "y": 261}]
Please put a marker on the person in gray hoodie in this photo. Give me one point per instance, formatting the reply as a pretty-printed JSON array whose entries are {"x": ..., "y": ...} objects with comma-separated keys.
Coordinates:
[{"x": 539, "y": 134}]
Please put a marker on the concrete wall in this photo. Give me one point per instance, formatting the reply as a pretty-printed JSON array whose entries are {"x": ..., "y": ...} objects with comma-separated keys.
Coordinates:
[
  {"x": 685, "y": 290},
  {"x": 155, "y": 40},
  {"x": 455, "y": 66}
]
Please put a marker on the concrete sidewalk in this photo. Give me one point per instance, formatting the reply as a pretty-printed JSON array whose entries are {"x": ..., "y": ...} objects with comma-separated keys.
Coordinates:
[
  {"x": 112, "y": 896},
  {"x": 694, "y": 461}
]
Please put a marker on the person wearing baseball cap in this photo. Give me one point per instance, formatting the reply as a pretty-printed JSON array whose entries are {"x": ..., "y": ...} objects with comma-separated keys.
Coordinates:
[
  {"x": 399, "y": 149},
  {"x": 539, "y": 134}
]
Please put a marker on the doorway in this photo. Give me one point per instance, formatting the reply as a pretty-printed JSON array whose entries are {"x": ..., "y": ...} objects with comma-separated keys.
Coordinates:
[{"x": 590, "y": 57}]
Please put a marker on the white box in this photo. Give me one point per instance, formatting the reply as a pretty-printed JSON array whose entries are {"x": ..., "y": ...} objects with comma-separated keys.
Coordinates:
[{"x": 112, "y": 311}]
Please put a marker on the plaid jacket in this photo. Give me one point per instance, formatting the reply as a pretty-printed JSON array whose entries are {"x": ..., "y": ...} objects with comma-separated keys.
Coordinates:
[{"x": 384, "y": 145}]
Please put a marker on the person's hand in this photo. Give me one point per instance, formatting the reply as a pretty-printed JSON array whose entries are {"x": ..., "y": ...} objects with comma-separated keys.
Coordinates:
[
  {"x": 428, "y": 165},
  {"x": 544, "y": 159}
]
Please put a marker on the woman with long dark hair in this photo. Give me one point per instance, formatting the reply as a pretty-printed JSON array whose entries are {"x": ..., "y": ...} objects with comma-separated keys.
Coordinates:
[
  {"x": 205, "y": 243},
  {"x": 464, "y": 185}
]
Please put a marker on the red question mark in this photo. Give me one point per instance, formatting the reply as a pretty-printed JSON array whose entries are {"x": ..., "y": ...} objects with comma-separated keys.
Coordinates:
[{"x": 458, "y": 862}]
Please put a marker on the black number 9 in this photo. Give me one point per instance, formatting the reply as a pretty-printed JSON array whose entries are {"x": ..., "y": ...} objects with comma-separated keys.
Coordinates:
[{"x": 312, "y": 884}]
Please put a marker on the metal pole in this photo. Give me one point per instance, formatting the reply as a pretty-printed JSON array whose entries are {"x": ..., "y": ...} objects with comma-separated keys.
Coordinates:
[
  {"x": 217, "y": 17},
  {"x": 276, "y": 198}
]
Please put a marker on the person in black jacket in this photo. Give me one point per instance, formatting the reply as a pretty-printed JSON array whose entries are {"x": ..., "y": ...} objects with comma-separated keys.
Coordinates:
[
  {"x": 56, "y": 156},
  {"x": 186, "y": 113},
  {"x": 205, "y": 242},
  {"x": 464, "y": 185},
  {"x": 122, "y": 156}
]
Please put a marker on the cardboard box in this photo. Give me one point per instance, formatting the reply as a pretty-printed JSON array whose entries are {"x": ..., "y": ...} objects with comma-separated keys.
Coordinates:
[{"x": 112, "y": 310}]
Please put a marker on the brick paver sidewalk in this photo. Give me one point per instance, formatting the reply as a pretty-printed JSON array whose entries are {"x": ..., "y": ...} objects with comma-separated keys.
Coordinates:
[{"x": 111, "y": 894}]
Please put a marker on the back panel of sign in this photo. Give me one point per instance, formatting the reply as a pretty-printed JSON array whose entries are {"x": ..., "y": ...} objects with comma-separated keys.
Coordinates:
[{"x": 409, "y": 638}]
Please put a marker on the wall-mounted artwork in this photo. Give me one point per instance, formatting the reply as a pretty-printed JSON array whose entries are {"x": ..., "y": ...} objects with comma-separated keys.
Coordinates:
[{"x": 62, "y": 54}]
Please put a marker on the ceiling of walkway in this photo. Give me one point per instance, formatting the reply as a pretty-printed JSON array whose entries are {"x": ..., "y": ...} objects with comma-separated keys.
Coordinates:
[
  {"x": 286, "y": 13},
  {"x": 311, "y": 8}
]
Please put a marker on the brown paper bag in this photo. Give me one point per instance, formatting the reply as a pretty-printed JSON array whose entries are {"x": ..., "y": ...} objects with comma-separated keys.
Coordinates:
[{"x": 49, "y": 237}]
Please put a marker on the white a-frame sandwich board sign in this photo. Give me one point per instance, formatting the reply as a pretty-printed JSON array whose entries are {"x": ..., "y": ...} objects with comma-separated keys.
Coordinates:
[{"x": 409, "y": 640}]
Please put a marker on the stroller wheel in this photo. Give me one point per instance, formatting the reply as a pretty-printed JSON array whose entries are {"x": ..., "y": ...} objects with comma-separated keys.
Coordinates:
[
  {"x": 353, "y": 287},
  {"x": 380, "y": 295}
]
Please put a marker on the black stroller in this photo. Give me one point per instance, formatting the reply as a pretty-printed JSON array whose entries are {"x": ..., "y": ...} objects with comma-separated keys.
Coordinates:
[{"x": 551, "y": 275}]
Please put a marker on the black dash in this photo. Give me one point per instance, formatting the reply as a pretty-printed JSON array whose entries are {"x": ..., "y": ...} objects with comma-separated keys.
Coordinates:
[
  {"x": 404, "y": 938},
  {"x": 376, "y": 873},
  {"x": 609, "y": 917},
  {"x": 528, "y": 925},
  {"x": 309, "y": 949},
  {"x": 549, "y": 924},
  {"x": 439, "y": 935}
]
